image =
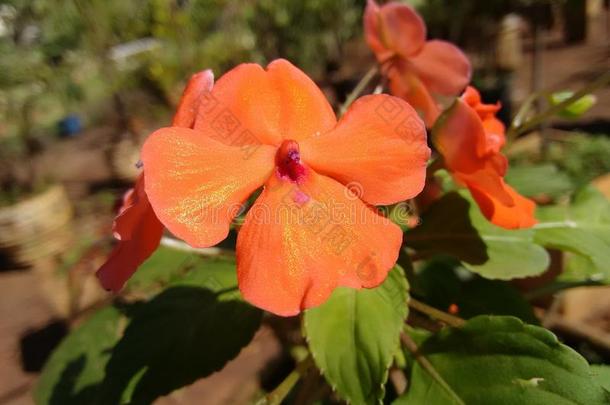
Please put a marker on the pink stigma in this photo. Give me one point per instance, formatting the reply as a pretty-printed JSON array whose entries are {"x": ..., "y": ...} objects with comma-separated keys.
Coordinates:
[{"x": 288, "y": 161}]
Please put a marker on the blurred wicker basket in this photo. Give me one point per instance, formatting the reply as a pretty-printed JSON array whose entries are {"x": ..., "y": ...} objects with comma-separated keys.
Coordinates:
[{"x": 36, "y": 228}]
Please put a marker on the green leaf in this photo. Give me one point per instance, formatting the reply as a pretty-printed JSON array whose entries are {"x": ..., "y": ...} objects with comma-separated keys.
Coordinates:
[
  {"x": 500, "y": 360},
  {"x": 164, "y": 266},
  {"x": 539, "y": 180},
  {"x": 601, "y": 373},
  {"x": 580, "y": 268},
  {"x": 74, "y": 371},
  {"x": 577, "y": 108},
  {"x": 582, "y": 228},
  {"x": 354, "y": 335},
  {"x": 455, "y": 226},
  {"x": 187, "y": 332}
]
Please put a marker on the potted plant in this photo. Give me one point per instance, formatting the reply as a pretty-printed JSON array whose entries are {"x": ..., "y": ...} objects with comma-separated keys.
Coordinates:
[{"x": 35, "y": 212}]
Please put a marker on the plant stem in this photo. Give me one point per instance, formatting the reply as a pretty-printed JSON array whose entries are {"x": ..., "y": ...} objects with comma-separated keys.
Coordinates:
[
  {"x": 521, "y": 114},
  {"x": 351, "y": 97},
  {"x": 308, "y": 388},
  {"x": 555, "y": 287},
  {"x": 536, "y": 120},
  {"x": 439, "y": 315},
  {"x": 280, "y": 392},
  {"x": 426, "y": 365}
]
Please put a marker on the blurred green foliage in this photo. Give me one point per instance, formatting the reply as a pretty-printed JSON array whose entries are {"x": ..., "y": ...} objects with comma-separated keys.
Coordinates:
[
  {"x": 572, "y": 161},
  {"x": 582, "y": 156},
  {"x": 220, "y": 34},
  {"x": 64, "y": 49}
]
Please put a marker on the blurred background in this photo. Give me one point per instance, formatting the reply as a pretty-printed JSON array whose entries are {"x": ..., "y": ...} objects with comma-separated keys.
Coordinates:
[{"x": 82, "y": 83}]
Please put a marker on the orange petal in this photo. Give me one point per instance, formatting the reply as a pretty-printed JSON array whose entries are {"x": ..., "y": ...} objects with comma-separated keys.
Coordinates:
[
  {"x": 249, "y": 105},
  {"x": 139, "y": 232},
  {"x": 196, "y": 91},
  {"x": 519, "y": 214},
  {"x": 241, "y": 109},
  {"x": 131, "y": 210},
  {"x": 401, "y": 29},
  {"x": 460, "y": 137},
  {"x": 442, "y": 67},
  {"x": 196, "y": 185},
  {"x": 371, "y": 32},
  {"x": 471, "y": 154},
  {"x": 488, "y": 180},
  {"x": 304, "y": 110},
  {"x": 378, "y": 148},
  {"x": 494, "y": 128},
  {"x": 406, "y": 85},
  {"x": 495, "y": 134},
  {"x": 299, "y": 242},
  {"x": 471, "y": 96}
]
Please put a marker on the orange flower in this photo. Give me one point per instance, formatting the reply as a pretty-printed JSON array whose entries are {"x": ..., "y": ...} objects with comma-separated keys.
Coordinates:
[
  {"x": 416, "y": 68},
  {"x": 138, "y": 231},
  {"x": 469, "y": 138},
  {"x": 137, "y": 227},
  {"x": 494, "y": 128},
  {"x": 311, "y": 229}
]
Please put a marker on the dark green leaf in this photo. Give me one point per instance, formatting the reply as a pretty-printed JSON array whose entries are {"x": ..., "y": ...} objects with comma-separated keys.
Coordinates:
[
  {"x": 73, "y": 373},
  {"x": 440, "y": 284},
  {"x": 493, "y": 297},
  {"x": 500, "y": 360},
  {"x": 455, "y": 226},
  {"x": 354, "y": 335},
  {"x": 582, "y": 228},
  {"x": 185, "y": 333},
  {"x": 473, "y": 295}
]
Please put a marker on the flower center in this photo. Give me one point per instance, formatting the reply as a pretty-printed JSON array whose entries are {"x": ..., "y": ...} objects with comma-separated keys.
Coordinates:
[{"x": 288, "y": 161}]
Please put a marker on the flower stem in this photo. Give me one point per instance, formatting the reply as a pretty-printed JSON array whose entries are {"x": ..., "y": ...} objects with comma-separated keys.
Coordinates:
[
  {"x": 432, "y": 312},
  {"x": 558, "y": 286},
  {"x": 426, "y": 365},
  {"x": 280, "y": 392},
  {"x": 521, "y": 114},
  {"x": 538, "y": 119},
  {"x": 351, "y": 97}
]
